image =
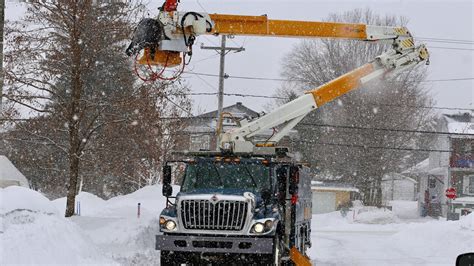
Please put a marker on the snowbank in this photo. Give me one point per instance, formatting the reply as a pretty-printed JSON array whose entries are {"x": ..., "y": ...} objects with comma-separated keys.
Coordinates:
[
  {"x": 37, "y": 238},
  {"x": 89, "y": 203},
  {"x": 150, "y": 198},
  {"x": 32, "y": 232},
  {"x": 21, "y": 198},
  {"x": 373, "y": 215},
  {"x": 405, "y": 209},
  {"x": 467, "y": 222}
]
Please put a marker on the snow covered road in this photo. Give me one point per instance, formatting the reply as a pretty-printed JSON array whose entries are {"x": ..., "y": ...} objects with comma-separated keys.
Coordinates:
[{"x": 33, "y": 231}]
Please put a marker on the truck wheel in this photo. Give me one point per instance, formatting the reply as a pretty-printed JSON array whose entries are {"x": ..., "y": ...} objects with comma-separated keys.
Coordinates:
[{"x": 166, "y": 258}]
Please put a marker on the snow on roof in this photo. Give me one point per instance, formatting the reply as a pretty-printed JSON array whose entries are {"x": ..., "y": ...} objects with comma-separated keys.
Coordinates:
[
  {"x": 346, "y": 189},
  {"x": 318, "y": 185},
  {"x": 460, "y": 123},
  {"x": 469, "y": 200},
  {"x": 440, "y": 171},
  {"x": 8, "y": 172},
  {"x": 398, "y": 176},
  {"x": 421, "y": 167}
]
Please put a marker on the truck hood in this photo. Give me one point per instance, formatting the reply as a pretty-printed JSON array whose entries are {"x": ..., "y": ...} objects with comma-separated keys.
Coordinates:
[{"x": 234, "y": 192}]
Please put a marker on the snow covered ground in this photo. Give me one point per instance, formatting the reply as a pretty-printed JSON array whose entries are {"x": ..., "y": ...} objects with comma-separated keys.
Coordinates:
[
  {"x": 34, "y": 231},
  {"x": 383, "y": 237}
]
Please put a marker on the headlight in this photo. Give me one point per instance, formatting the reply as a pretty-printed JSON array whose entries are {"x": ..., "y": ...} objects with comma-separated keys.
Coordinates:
[
  {"x": 170, "y": 225},
  {"x": 268, "y": 224},
  {"x": 258, "y": 228}
]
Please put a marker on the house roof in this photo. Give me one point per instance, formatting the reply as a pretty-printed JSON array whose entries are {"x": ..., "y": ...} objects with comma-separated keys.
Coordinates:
[
  {"x": 419, "y": 168},
  {"x": 8, "y": 172},
  {"x": 460, "y": 122},
  {"x": 318, "y": 185},
  {"x": 237, "y": 108},
  {"x": 397, "y": 176}
]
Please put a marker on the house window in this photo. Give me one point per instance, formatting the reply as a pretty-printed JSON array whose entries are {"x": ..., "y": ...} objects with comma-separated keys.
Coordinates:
[
  {"x": 468, "y": 185},
  {"x": 432, "y": 182},
  {"x": 199, "y": 142}
]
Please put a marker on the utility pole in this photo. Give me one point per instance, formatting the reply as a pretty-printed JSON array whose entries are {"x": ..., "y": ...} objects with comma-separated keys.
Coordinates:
[{"x": 222, "y": 50}]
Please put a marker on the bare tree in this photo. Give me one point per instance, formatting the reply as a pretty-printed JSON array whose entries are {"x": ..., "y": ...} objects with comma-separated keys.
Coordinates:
[
  {"x": 53, "y": 56},
  {"x": 93, "y": 122},
  {"x": 352, "y": 152}
]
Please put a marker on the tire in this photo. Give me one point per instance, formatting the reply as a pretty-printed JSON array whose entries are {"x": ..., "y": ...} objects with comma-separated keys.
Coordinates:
[{"x": 166, "y": 258}]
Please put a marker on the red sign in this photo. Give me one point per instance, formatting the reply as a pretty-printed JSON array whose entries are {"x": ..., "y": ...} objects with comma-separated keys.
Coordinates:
[{"x": 451, "y": 193}]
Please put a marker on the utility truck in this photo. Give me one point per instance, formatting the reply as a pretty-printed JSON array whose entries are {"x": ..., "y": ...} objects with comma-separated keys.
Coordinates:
[{"x": 250, "y": 201}]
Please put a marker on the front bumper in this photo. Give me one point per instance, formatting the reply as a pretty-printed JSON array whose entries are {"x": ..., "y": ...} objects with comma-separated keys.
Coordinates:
[{"x": 215, "y": 244}]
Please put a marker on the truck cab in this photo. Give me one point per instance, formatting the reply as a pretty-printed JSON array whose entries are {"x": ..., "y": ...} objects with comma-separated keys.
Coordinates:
[{"x": 233, "y": 208}]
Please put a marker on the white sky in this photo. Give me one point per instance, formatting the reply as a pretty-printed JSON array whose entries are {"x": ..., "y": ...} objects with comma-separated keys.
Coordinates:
[{"x": 445, "y": 19}]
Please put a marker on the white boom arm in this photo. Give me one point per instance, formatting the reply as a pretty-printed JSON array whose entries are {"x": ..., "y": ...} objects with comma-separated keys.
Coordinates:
[{"x": 291, "y": 113}]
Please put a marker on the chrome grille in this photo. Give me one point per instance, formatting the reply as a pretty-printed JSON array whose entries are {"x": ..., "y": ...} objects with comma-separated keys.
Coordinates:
[{"x": 207, "y": 215}]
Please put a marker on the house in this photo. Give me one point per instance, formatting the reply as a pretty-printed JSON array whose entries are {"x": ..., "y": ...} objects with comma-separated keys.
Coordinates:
[
  {"x": 10, "y": 175},
  {"x": 330, "y": 196},
  {"x": 202, "y": 129},
  {"x": 451, "y": 165},
  {"x": 396, "y": 186}
]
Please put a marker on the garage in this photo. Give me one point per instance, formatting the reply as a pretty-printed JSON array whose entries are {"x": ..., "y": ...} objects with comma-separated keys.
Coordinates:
[
  {"x": 324, "y": 202},
  {"x": 329, "y": 197}
]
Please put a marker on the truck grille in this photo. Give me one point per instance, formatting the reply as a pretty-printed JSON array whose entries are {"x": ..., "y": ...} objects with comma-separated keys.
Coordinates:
[{"x": 206, "y": 215}]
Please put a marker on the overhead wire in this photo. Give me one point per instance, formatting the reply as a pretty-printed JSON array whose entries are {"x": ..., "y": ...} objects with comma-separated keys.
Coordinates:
[
  {"x": 344, "y": 127},
  {"x": 451, "y": 48},
  {"x": 445, "y": 40},
  {"x": 286, "y": 98},
  {"x": 358, "y": 146},
  {"x": 301, "y": 80},
  {"x": 375, "y": 147},
  {"x": 303, "y": 124}
]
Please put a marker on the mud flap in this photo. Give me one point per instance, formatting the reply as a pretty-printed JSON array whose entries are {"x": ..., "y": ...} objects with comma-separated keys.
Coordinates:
[{"x": 298, "y": 258}]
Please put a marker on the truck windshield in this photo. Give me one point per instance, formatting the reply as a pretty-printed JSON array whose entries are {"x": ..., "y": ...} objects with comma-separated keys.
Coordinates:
[{"x": 208, "y": 175}]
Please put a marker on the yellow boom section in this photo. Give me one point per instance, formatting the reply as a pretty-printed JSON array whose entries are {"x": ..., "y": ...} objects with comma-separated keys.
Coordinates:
[
  {"x": 341, "y": 85},
  {"x": 262, "y": 26}
]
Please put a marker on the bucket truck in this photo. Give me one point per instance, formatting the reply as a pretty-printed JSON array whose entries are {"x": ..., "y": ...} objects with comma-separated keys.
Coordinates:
[{"x": 250, "y": 201}]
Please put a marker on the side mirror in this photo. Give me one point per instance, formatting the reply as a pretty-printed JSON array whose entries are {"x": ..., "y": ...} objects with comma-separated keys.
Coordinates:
[
  {"x": 465, "y": 259},
  {"x": 294, "y": 180},
  {"x": 266, "y": 195},
  {"x": 167, "y": 189}
]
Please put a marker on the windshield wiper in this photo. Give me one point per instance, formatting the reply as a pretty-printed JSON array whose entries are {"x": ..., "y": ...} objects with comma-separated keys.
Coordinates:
[
  {"x": 251, "y": 176},
  {"x": 219, "y": 175}
]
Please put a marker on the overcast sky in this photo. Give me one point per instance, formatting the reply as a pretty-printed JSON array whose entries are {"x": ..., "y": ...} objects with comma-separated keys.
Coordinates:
[{"x": 446, "y": 19}]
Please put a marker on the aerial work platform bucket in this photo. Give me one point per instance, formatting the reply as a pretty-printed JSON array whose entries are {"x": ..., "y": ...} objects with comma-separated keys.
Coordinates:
[{"x": 160, "y": 58}]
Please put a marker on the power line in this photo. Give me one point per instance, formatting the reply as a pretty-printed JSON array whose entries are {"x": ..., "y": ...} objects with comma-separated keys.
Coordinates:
[
  {"x": 450, "y": 42},
  {"x": 312, "y": 124},
  {"x": 358, "y": 146},
  {"x": 286, "y": 98},
  {"x": 345, "y": 127},
  {"x": 387, "y": 129},
  {"x": 234, "y": 94},
  {"x": 444, "y": 39},
  {"x": 450, "y": 48},
  {"x": 302, "y": 80},
  {"x": 374, "y": 147}
]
